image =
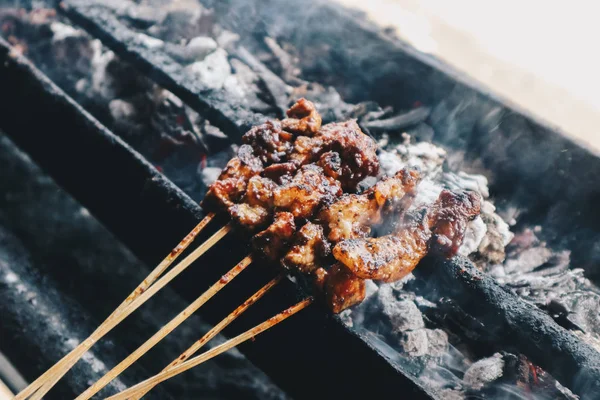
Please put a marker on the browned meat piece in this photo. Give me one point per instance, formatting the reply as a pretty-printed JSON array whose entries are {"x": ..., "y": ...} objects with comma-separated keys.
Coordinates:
[
  {"x": 449, "y": 217},
  {"x": 387, "y": 258},
  {"x": 343, "y": 289},
  {"x": 303, "y": 118},
  {"x": 308, "y": 190},
  {"x": 280, "y": 173},
  {"x": 308, "y": 249},
  {"x": 231, "y": 184},
  {"x": 331, "y": 164},
  {"x": 352, "y": 215},
  {"x": 391, "y": 257},
  {"x": 270, "y": 142},
  {"x": 254, "y": 211},
  {"x": 273, "y": 241},
  {"x": 358, "y": 152},
  {"x": 306, "y": 149}
]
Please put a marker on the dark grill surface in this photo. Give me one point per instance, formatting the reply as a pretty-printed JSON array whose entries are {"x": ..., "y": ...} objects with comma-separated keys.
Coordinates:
[{"x": 313, "y": 354}]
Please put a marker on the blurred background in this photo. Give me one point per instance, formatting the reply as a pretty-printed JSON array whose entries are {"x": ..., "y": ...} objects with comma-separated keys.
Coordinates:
[{"x": 537, "y": 54}]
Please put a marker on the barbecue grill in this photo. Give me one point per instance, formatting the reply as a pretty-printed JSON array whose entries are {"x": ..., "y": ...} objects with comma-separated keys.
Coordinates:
[{"x": 535, "y": 168}]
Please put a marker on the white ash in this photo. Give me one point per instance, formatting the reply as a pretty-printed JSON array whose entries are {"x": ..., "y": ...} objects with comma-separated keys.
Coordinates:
[
  {"x": 227, "y": 38},
  {"x": 438, "y": 342},
  {"x": 62, "y": 31},
  {"x": 149, "y": 42},
  {"x": 200, "y": 47},
  {"x": 403, "y": 315},
  {"x": 415, "y": 343},
  {"x": 209, "y": 175},
  {"x": 213, "y": 71},
  {"x": 484, "y": 371},
  {"x": 464, "y": 181},
  {"x": 121, "y": 109},
  {"x": 102, "y": 81},
  {"x": 474, "y": 236}
]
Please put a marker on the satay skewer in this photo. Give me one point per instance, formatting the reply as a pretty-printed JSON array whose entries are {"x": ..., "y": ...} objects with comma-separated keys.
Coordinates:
[
  {"x": 215, "y": 351},
  {"x": 140, "y": 295},
  {"x": 166, "y": 329},
  {"x": 217, "y": 329}
]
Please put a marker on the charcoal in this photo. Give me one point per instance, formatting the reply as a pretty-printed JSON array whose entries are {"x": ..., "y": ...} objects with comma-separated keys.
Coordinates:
[
  {"x": 484, "y": 372},
  {"x": 403, "y": 315},
  {"x": 399, "y": 122},
  {"x": 415, "y": 343},
  {"x": 438, "y": 342},
  {"x": 213, "y": 70}
]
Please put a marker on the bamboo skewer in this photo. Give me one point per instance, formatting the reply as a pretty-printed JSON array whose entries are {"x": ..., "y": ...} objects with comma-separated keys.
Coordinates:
[
  {"x": 136, "y": 299},
  {"x": 216, "y": 329},
  {"x": 249, "y": 334},
  {"x": 165, "y": 330}
]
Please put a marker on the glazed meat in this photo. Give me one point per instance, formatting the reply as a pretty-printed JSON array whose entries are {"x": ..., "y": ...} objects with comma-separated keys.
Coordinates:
[
  {"x": 342, "y": 288},
  {"x": 231, "y": 184},
  {"x": 353, "y": 214},
  {"x": 357, "y": 152},
  {"x": 255, "y": 209},
  {"x": 308, "y": 250},
  {"x": 387, "y": 258},
  {"x": 273, "y": 241},
  {"x": 280, "y": 173},
  {"x": 391, "y": 257},
  {"x": 270, "y": 142},
  {"x": 449, "y": 217},
  {"x": 356, "y": 156},
  {"x": 308, "y": 190},
  {"x": 303, "y": 118}
]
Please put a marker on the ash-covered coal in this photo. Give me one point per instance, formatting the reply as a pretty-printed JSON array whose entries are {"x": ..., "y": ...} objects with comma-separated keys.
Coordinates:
[{"x": 437, "y": 343}]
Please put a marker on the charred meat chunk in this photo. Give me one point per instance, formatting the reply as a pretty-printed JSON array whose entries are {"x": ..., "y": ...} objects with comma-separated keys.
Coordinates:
[
  {"x": 302, "y": 118},
  {"x": 331, "y": 162},
  {"x": 308, "y": 190},
  {"x": 270, "y": 142},
  {"x": 280, "y": 173},
  {"x": 450, "y": 215},
  {"x": 352, "y": 215},
  {"x": 273, "y": 241},
  {"x": 440, "y": 228},
  {"x": 387, "y": 258},
  {"x": 309, "y": 247},
  {"x": 255, "y": 209},
  {"x": 358, "y": 152},
  {"x": 231, "y": 184},
  {"x": 343, "y": 289}
]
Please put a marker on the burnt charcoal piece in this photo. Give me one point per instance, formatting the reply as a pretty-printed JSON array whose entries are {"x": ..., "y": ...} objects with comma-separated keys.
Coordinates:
[
  {"x": 512, "y": 322},
  {"x": 222, "y": 109},
  {"x": 398, "y": 122}
]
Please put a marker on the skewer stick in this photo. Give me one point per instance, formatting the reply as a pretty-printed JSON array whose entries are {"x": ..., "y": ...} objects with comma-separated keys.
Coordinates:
[
  {"x": 165, "y": 330},
  {"x": 216, "y": 329},
  {"x": 63, "y": 366},
  {"x": 215, "y": 351}
]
